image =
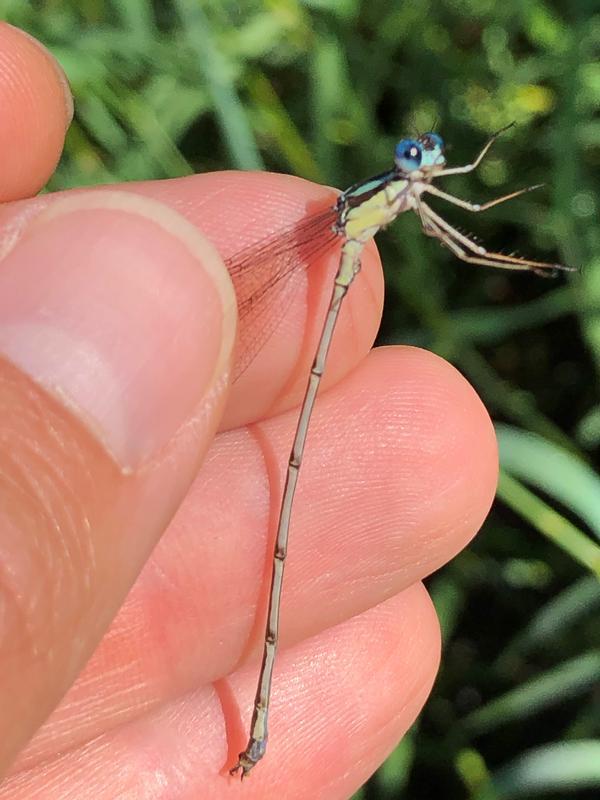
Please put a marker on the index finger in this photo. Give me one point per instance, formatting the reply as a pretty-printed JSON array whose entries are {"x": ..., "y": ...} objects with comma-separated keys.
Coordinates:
[{"x": 235, "y": 210}]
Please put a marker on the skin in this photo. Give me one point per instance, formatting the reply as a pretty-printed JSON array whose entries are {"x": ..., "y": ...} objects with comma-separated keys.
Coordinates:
[{"x": 139, "y": 489}]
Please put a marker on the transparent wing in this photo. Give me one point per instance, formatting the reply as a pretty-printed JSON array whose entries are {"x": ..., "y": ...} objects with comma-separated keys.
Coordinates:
[{"x": 266, "y": 278}]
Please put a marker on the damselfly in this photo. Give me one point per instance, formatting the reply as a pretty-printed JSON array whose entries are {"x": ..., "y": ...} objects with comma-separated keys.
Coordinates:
[{"x": 358, "y": 214}]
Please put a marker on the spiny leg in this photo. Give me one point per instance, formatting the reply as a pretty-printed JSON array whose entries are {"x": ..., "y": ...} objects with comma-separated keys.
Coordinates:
[
  {"x": 461, "y": 253},
  {"x": 478, "y": 160},
  {"x": 434, "y": 230},
  {"x": 477, "y": 207},
  {"x": 480, "y": 250},
  {"x": 430, "y": 219},
  {"x": 436, "y": 226},
  {"x": 500, "y": 260}
]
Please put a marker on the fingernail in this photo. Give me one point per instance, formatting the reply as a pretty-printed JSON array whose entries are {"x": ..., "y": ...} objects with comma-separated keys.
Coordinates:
[{"x": 119, "y": 307}]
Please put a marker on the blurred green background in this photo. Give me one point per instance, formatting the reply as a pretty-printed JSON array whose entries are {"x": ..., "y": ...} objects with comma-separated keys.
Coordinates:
[{"x": 324, "y": 89}]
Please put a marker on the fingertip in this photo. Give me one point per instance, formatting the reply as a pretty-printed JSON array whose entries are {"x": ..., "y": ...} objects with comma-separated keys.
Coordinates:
[
  {"x": 458, "y": 459},
  {"x": 37, "y": 110},
  {"x": 418, "y": 474},
  {"x": 257, "y": 206},
  {"x": 349, "y": 693}
]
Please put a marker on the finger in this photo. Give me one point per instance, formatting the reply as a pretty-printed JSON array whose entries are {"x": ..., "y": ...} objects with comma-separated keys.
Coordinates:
[
  {"x": 116, "y": 326},
  {"x": 342, "y": 701},
  {"x": 36, "y": 111},
  {"x": 399, "y": 473},
  {"x": 235, "y": 210},
  {"x": 238, "y": 209}
]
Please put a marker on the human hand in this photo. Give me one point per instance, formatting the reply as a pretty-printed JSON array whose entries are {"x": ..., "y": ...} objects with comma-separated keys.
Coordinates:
[{"x": 116, "y": 327}]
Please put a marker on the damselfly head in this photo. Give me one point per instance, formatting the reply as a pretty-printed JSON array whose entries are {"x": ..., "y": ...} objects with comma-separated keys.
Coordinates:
[
  {"x": 433, "y": 147},
  {"x": 408, "y": 155},
  {"x": 425, "y": 154}
]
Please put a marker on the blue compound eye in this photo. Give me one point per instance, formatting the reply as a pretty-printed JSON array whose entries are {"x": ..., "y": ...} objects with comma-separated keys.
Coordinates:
[
  {"x": 408, "y": 155},
  {"x": 433, "y": 149}
]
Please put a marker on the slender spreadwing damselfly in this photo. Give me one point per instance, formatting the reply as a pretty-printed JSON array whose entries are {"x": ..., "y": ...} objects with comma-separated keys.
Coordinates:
[{"x": 357, "y": 215}]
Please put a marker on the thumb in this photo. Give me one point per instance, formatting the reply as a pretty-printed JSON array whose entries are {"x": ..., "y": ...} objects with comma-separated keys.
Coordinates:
[{"x": 117, "y": 321}]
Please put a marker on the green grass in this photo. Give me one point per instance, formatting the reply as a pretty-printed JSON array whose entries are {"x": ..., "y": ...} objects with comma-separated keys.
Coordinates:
[{"x": 323, "y": 89}]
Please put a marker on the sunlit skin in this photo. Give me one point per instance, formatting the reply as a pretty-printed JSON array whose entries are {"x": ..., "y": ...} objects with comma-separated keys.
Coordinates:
[{"x": 133, "y": 584}]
